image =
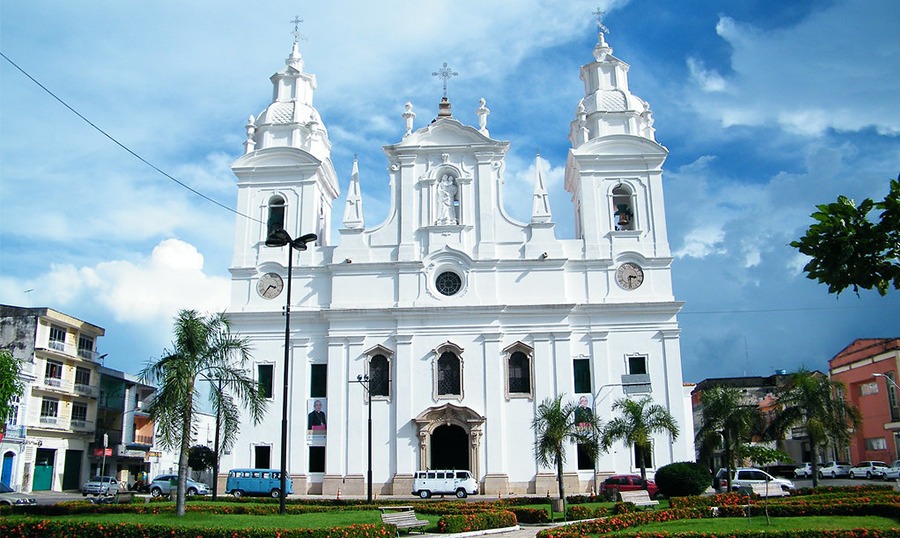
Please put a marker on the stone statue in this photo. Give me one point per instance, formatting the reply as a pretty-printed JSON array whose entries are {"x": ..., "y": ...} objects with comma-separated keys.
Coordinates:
[{"x": 447, "y": 190}]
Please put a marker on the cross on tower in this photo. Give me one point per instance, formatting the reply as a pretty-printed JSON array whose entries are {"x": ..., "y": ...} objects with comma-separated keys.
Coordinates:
[
  {"x": 296, "y": 33},
  {"x": 445, "y": 73},
  {"x": 599, "y": 14}
]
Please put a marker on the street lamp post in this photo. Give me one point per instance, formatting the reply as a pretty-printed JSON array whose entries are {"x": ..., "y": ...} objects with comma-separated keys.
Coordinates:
[
  {"x": 280, "y": 238},
  {"x": 594, "y": 408},
  {"x": 887, "y": 380},
  {"x": 363, "y": 381}
]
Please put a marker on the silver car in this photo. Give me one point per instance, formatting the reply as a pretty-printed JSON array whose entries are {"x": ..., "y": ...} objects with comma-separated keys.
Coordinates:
[
  {"x": 100, "y": 485},
  {"x": 834, "y": 469},
  {"x": 9, "y": 497},
  {"x": 164, "y": 484},
  {"x": 892, "y": 472}
]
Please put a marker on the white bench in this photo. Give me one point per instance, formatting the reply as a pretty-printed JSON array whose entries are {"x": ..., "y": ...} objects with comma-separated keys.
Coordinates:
[
  {"x": 768, "y": 490},
  {"x": 401, "y": 517},
  {"x": 638, "y": 498}
]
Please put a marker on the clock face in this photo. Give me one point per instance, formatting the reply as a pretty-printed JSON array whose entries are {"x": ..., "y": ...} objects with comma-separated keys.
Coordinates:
[
  {"x": 630, "y": 276},
  {"x": 269, "y": 286}
]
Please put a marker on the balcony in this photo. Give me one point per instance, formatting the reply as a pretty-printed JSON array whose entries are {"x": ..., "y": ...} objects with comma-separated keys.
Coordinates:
[
  {"x": 56, "y": 384},
  {"x": 50, "y": 421},
  {"x": 143, "y": 440},
  {"x": 15, "y": 432},
  {"x": 86, "y": 390},
  {"x": 82, "y": 425},
  {"x": 59, "y": 347}
]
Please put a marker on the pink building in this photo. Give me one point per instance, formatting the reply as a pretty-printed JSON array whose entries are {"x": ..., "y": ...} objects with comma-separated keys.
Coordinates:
[{"x": 869, "y": 368}]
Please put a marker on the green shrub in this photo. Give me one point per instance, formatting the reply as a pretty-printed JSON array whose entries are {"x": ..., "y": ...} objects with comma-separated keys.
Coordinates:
[
  {"x": 683, "y": 479},
  {"x": 530, "y": 515},
  {"x": 74, "y": 529},
  {"x": 477, "y": 521}
]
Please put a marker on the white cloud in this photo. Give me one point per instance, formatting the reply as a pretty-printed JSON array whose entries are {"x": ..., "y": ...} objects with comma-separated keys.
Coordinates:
[{"x": 708, "y": 79}]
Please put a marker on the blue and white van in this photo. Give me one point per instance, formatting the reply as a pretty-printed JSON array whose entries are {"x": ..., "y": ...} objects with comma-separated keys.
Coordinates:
[
  {"x": 256, "y": 482},
  {"x": 444, "y": 482}
]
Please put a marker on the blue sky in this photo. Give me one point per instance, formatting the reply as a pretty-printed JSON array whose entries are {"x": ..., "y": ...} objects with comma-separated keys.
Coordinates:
[{"x": 767, "y": 108}]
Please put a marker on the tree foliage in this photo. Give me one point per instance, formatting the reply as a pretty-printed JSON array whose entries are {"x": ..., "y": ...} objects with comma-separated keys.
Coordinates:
[
  {"x": 850, "y": 250},
  {"x": 203, "y": 349},
  {"x": 814, "y": 402},
  {"x": 682, "y": 479},
  {"x": 638, "y": 422},
  {"x": 727, "y": 423},
  {"x": 10, "y": 386},
  {"x": 555, "y": 424},
  {"x": 201, "y": 458}
]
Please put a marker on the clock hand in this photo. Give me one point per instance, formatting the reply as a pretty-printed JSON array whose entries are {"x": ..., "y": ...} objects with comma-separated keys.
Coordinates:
[{"x": 271, "y": 286}]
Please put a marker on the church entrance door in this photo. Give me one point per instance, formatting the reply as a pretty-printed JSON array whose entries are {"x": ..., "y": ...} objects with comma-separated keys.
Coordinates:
[{"x": 449, "y": 448}]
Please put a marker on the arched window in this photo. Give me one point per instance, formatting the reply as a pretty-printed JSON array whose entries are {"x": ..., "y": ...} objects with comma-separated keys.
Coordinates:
[
  {"x": 276, "y": 215},
  {"x": 448, "y": 374},
  {"x": 379, "y": 378},
  {"x": 623, "y": 208},
  {"x": 519, "y": 374}
]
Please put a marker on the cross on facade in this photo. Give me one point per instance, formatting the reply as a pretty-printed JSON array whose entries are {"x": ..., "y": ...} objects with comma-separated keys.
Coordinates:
[
  {"x": 599, "y": 14},
  {"x": 445, "y": 73},
  {"x": 296, "y": 33}
]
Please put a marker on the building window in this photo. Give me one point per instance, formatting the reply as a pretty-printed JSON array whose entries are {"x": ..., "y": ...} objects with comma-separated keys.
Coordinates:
[
  {"x": 581, "y": 370},
  {"x": 868, "y": 388},
  {"x": 318, "y": 381},
  {"x": 264, "y": 379},
  {"x": 892, "y": 396},
  {"x": 262, "y": 457},
  {"x": 876, "y": 443},
  {"x": 276, "y": 215},
  {"x": 317, "y": 459},
  {"x": 82, "y": 376},
  {"x": 13, "y": 418},
  {"x": 53, "y": 374},
  {"x": 448, "y": 283},
  {"x": 623, "y": 208},
  {"x": 85, "y": 347},
  {"x": 57, "y": 338},
  {"x": 637, "y": 365},
  {"x": 448, "y": 372},
  {"x": 49, "y": 410},
  {"x": 379, "y": 378},
  {"x": 585, "y": 462},
  {"x": 518, "y": 370},
  {"x": 648, "y": 457},
  {"x": 79, "y": 413}
]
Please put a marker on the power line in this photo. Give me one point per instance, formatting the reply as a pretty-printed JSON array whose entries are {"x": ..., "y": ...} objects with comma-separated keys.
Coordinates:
[
  {"x": 770, "y": 310},
  {"x": 123, "y": 146}
]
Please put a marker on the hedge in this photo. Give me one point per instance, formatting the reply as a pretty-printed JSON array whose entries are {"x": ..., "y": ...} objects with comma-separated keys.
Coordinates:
[
  {"x": 495, "y": 519},
  {"x": 44, "y": 529}
]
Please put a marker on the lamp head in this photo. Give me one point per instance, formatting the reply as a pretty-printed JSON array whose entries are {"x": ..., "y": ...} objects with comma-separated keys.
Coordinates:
[
  {"x": 278, "y": 238},
  {"x": 876, "y": 374},
  {"x": 359, "y": 377}
]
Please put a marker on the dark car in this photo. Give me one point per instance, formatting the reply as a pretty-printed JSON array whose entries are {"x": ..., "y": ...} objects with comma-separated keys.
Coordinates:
[{"x": 610, "y": 487}]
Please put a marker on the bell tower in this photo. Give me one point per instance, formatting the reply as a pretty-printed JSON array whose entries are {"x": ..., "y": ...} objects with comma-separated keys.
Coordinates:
[{"x": 614, "y": 169}]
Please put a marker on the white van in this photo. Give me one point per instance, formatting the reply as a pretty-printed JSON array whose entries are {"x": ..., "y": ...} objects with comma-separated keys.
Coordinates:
[{"x": 459, "y": 483}]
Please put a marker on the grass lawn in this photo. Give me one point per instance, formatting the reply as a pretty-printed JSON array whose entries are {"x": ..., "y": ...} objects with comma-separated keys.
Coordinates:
[
  {"x": 731, "y": 524},
  {"x": 238, "y": 521}
]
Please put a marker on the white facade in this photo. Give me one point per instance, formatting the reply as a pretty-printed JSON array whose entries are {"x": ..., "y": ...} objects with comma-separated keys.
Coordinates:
[{"x": 464, "y": 319}]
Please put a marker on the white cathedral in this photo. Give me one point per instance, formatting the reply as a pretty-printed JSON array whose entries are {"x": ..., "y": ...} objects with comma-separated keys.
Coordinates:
[{"x": 461, "y": 319}]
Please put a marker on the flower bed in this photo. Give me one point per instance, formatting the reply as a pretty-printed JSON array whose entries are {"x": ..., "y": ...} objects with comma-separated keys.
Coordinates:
[
  {"x": 33, "y": 529},
  {"x": 493, "y": 519}
]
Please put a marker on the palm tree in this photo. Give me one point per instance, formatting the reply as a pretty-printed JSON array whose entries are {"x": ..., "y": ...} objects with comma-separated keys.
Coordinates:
[
  {"x": 204, "y": 349},
  {"x": 639, "y": 421},
  {"x": 727, "y": 423},
  {"x": 556, "y": 424},
  {"x": 815, "y": 403}
]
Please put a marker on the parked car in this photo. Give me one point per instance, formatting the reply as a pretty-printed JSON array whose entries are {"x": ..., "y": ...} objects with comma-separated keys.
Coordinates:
[
  {"x": 868, "y": 469},
  {"x": 804, "y": 471},
  {"x": 164, "y": 484},
  {"x": 100, "y": 485},
  {"x": 747, "y": 476},
  {"x": 892, "y": 472},
  {"x": 242, "y": 482},
  {"x": 10, "y": 497},
  {"x": 446, "y": 482},
  {"x": 610, "y": 487},
  {"x": 834, "y": 469}
]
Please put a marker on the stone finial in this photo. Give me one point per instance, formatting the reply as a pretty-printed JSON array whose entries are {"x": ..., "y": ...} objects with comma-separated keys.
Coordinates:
[
  {"x": 540, "y": 207},
  {"x": 250, "y": 143},
  {"x": 353, "y": 211},
  {"x": 483, "y": 112}
]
